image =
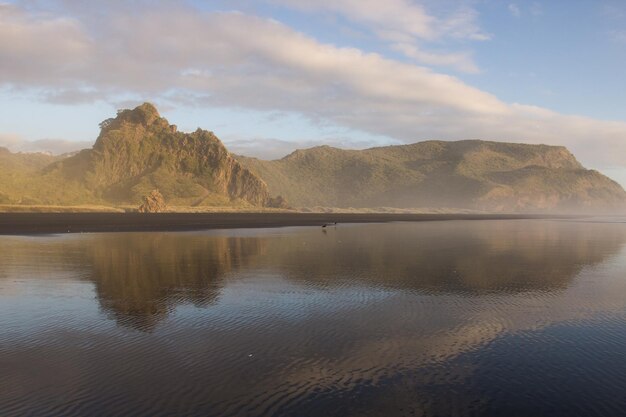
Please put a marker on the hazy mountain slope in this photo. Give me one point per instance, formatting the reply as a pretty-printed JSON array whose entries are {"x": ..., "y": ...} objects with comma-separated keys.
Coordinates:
[
  {"x": 464, "y": 174},
  {"x": 138, "y": 151},
  {"x": 22, "y": 180}
]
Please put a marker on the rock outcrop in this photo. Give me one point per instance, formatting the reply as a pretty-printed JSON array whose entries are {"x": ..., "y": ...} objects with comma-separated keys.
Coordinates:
[
  {"x": 138, "y": 151},
  {"x": 278, "y": 202},
  {"x": 153, "y": 203}
]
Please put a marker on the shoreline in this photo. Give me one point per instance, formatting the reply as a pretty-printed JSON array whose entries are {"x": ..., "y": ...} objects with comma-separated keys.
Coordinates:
[{"x": 53, "y": 223}]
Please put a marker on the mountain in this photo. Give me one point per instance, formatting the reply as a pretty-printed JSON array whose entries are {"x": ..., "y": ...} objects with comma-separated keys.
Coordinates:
[
  {"x": 139, "y": 151},
  {"x": 20, "y": 175},
  {"x": 473, "y": 174}
]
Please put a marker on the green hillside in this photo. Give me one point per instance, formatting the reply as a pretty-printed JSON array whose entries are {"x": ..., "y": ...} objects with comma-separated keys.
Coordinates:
[
  {"x": 465, "y": 174},
  {"x": 24, "y": 180}
]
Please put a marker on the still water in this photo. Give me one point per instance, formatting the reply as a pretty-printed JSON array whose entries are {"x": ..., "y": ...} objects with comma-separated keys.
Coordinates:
[{"x": 498, "y": 318}]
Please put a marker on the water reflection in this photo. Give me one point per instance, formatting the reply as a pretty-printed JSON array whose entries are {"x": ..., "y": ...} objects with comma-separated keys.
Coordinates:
[
  {"x": 463, "y": 257},
  {"x": 139, "y": 277},
  {"x": 394, "y": 319}
]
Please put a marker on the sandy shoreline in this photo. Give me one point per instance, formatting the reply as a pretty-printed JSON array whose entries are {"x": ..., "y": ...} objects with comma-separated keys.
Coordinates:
[{"x": 43, "y": 223}]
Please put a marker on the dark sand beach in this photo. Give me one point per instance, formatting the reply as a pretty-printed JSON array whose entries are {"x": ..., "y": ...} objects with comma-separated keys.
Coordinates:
[{"x": 42, "y": 223}]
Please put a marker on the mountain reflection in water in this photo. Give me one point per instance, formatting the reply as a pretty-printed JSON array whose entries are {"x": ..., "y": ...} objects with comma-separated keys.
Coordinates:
[{"x": 387, "y": 319}]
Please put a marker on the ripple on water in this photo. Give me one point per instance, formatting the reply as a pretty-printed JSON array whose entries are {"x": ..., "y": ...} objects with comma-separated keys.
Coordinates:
[{"x": 443, "y": 318}]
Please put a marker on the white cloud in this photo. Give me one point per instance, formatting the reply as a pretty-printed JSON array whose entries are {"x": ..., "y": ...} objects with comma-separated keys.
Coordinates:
[
  {"x": 402, "y": 16},
  {"x": 462, "y": 61},
  {"x": 180, "y": 55},
  {"x": 404, "y": 23},
  {"x": 463, "y": 24},
  {"x": 515, "y": 10},
  {"x": 16, "y": 143},
  {"x": 619, "y": 36},
  {"x": 40, "y": 48},
  {"x": 535, "y": 9},
  {"x": 272, "y": 148}
]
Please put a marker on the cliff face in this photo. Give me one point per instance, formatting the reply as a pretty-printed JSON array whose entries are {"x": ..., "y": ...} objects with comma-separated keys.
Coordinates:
[
  {"x": 139, "y": 151},
  {"x": 471, "y": 174}
]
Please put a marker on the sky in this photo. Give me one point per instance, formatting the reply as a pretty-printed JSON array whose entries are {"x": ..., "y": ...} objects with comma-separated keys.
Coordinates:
[{"x": 272, "y": 76}]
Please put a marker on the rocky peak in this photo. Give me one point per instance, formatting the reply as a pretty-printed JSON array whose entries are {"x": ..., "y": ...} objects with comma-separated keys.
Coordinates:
[
  {"x": 145, "y": 116},
  {"x": 139, "y": 150}
]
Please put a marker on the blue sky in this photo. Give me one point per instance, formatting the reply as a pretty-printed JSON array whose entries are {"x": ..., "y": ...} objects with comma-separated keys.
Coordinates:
[{"x": 270, "y": 76}]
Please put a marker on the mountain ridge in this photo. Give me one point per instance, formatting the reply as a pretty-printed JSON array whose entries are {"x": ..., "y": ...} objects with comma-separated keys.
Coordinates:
[
  {"x": 138, "y": 151},
  {"x": 476, "y": 174}
]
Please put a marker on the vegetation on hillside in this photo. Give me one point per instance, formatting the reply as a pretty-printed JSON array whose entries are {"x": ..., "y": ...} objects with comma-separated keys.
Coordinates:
[
  {"x": 471, "y": 174},
  {"x": 25, "y": 181}
]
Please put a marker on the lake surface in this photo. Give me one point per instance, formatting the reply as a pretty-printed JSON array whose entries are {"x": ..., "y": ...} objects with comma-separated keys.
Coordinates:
[{"x": 498, "y": 318}]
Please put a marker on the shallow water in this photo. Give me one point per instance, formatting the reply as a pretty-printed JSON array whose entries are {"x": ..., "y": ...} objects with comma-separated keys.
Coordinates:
[{"x": 510, "y": 318}]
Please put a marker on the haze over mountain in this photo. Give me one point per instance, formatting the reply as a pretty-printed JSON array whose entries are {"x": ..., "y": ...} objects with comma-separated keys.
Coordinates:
[
  {"x": 474, "y": 174},
  {"x": 19, "y": 173},
  {"x": 138, "y": 151}
]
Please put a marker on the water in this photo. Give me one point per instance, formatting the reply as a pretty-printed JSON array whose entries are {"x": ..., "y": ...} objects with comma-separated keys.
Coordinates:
[{"x": 502, "y": 318}]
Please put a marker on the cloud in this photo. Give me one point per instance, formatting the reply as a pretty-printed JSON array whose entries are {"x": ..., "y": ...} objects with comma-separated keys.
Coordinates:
[
  {"x": 16, "y": 143},
  {"x": 515, "y": 10},
  {"x": 73, "y": 96},
  {"x": 182, "y": 56},
  {"x": 619, "y": 36},
  {"x": 406, "y": 26},
  {"x": 536, "y": 9},
  {"x": 614, "y": 10},
  {"x": 462, "y": 61},
  {"x": 41, "y": 48},
  {"x": 272, "y": 148},
  {"x": 402, "y": 16},
  {"x": 463, "y": 25}
]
